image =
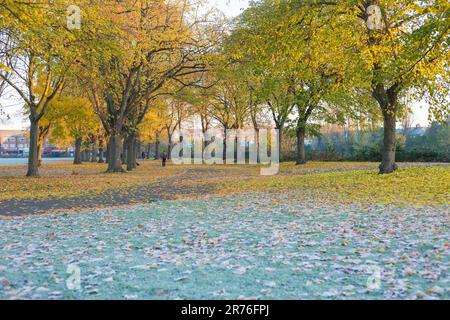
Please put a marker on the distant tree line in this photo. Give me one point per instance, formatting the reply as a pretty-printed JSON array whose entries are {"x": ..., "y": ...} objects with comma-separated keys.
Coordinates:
[{"x": 430, "y": 144}]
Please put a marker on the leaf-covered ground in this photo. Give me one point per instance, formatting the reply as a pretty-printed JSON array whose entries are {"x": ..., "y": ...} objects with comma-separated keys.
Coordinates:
[
  {"x": 260, "y": 245},
  {"x": 409, "y": 186},
  {"x": 90, "y": 187},
  {"x": 323, "y": 230},
  {"x": 65, "y": 180}
]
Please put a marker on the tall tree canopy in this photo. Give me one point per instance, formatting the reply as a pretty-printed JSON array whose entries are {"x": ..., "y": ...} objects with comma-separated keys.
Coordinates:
[
  {"x": 303, "y": 62},
  {"x": 406, "y": 46}
]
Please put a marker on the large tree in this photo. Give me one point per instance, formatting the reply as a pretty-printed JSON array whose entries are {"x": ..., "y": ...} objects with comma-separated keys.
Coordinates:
[
  {"x": 73, "y": 122},
  {"x": 38, "y": 50},
  {"x": 155, "y": 44},
  {"x": 292, "y": 64},
  {"x": 405, "y": 45}
]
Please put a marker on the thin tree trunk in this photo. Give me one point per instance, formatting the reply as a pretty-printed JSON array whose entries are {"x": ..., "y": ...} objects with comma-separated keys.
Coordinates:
[
  {"x": 280, "y": 142},
  {"x": 123, "y": 155},
  {"x": 132, "y": 146},
  {"x": 170, "y": 145},
  {"x": 108, "y": 151},
  {"x": 100, "y": 155},
  {"x": 225, "y": 132},
  {"x": 100, "y": 151},
  {"x": 94, "y": 152},
  {"x": 388, "y": 164},
  {"x": 130, "y": 166},
  {"x": 181, "y": 142},
  {"x": 301, "y": 157},
  {"x": 43, "y": 132},
  {"x": 257, "y": 144},
  {"x": 85, "y": 155},
  {"x": 136, "y": 152},
  {"x": 33, "y": 170},
  {"x": 235, "y": 155},
  {"x": 39, "y": 151},
  {"x": 77, "y": 155},
  {"x": 130, "y": 152},
  {"x": 138, "y": 149},
  {"x": 157, "y": 145},
  {"x": 205, "y": 142},
  {"x": 148, "y": 150}
]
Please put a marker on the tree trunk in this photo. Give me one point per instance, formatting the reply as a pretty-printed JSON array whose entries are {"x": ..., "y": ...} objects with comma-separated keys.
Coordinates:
[
  {"x": 205, "y": 142},
  {"x": 115, "y": 164},
  {"x": 235, "y": 155},
  {"x": 301, "y": 157},
  {"x": 225, "y": 132},
  {"x": 123, "y": 154},
  {"x": 148, "y": 150},
  {"x": 130, "y": 152},
  {"x": 258, "y": 160},
  {"x": 77, "y": 155},
  {"x": 39, "y": 152},
  {"x": 157, "y": 144},
  {"x": 108, "y": 151},
  {"x": 85, "y": 155},
  {"x": 43, "y": 132},
  {"x": 170, "y": 145},
  {"x": 389, "y": 143},
  {"x": 100, "y": 155},
  {"x": 138, "y": 149},
  {"x": 136, "y": 152},
  {"x": 280, "y": 141},
  {"x": 94, "y": 151},
  {"x": 181, "y": 142},
  {"x": 33, "y": 170},
  {"x": 100, "y": 151}
]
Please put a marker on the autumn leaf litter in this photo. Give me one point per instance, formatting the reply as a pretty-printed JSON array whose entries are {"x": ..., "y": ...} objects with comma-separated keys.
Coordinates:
[{"x": 263, "y": 245}]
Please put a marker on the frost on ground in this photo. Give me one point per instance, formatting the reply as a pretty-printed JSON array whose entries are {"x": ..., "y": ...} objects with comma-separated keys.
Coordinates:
[{"x": 257, "y": 246}]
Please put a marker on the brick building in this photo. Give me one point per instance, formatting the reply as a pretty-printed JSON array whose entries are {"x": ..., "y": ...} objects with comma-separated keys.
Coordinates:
[{"x": 15, "y": 143}]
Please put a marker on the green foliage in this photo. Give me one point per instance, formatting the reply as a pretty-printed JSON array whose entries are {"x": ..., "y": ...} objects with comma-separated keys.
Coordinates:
[
  {"x": 432, "y": 145},
  {"x": 72, "y": 117}
]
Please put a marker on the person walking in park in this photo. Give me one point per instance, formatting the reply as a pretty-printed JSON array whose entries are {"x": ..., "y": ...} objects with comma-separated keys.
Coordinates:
[{"x": 164, "y": 158}]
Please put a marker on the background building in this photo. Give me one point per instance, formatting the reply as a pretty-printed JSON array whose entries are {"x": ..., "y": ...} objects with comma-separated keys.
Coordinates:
[{"x": 15, "y": 143}]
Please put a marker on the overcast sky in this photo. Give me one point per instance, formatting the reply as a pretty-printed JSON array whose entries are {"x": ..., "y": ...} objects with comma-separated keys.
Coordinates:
[{"x": 12, "y": 104}]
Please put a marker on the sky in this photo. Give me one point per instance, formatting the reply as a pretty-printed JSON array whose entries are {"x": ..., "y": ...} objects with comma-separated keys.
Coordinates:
[
  {"x": 12, "y": 103},
  {"x": 230, "y": 7}
]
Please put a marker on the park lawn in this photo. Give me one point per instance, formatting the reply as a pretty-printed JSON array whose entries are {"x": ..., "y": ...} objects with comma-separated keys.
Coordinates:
[
  {"x": 345, "y": 182},
  {"x": 415, "y": 186},
  {"x": 258, "y": 245},
  {"x": 291, "y": 236},
  {"x": 63, "y": 180}
]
